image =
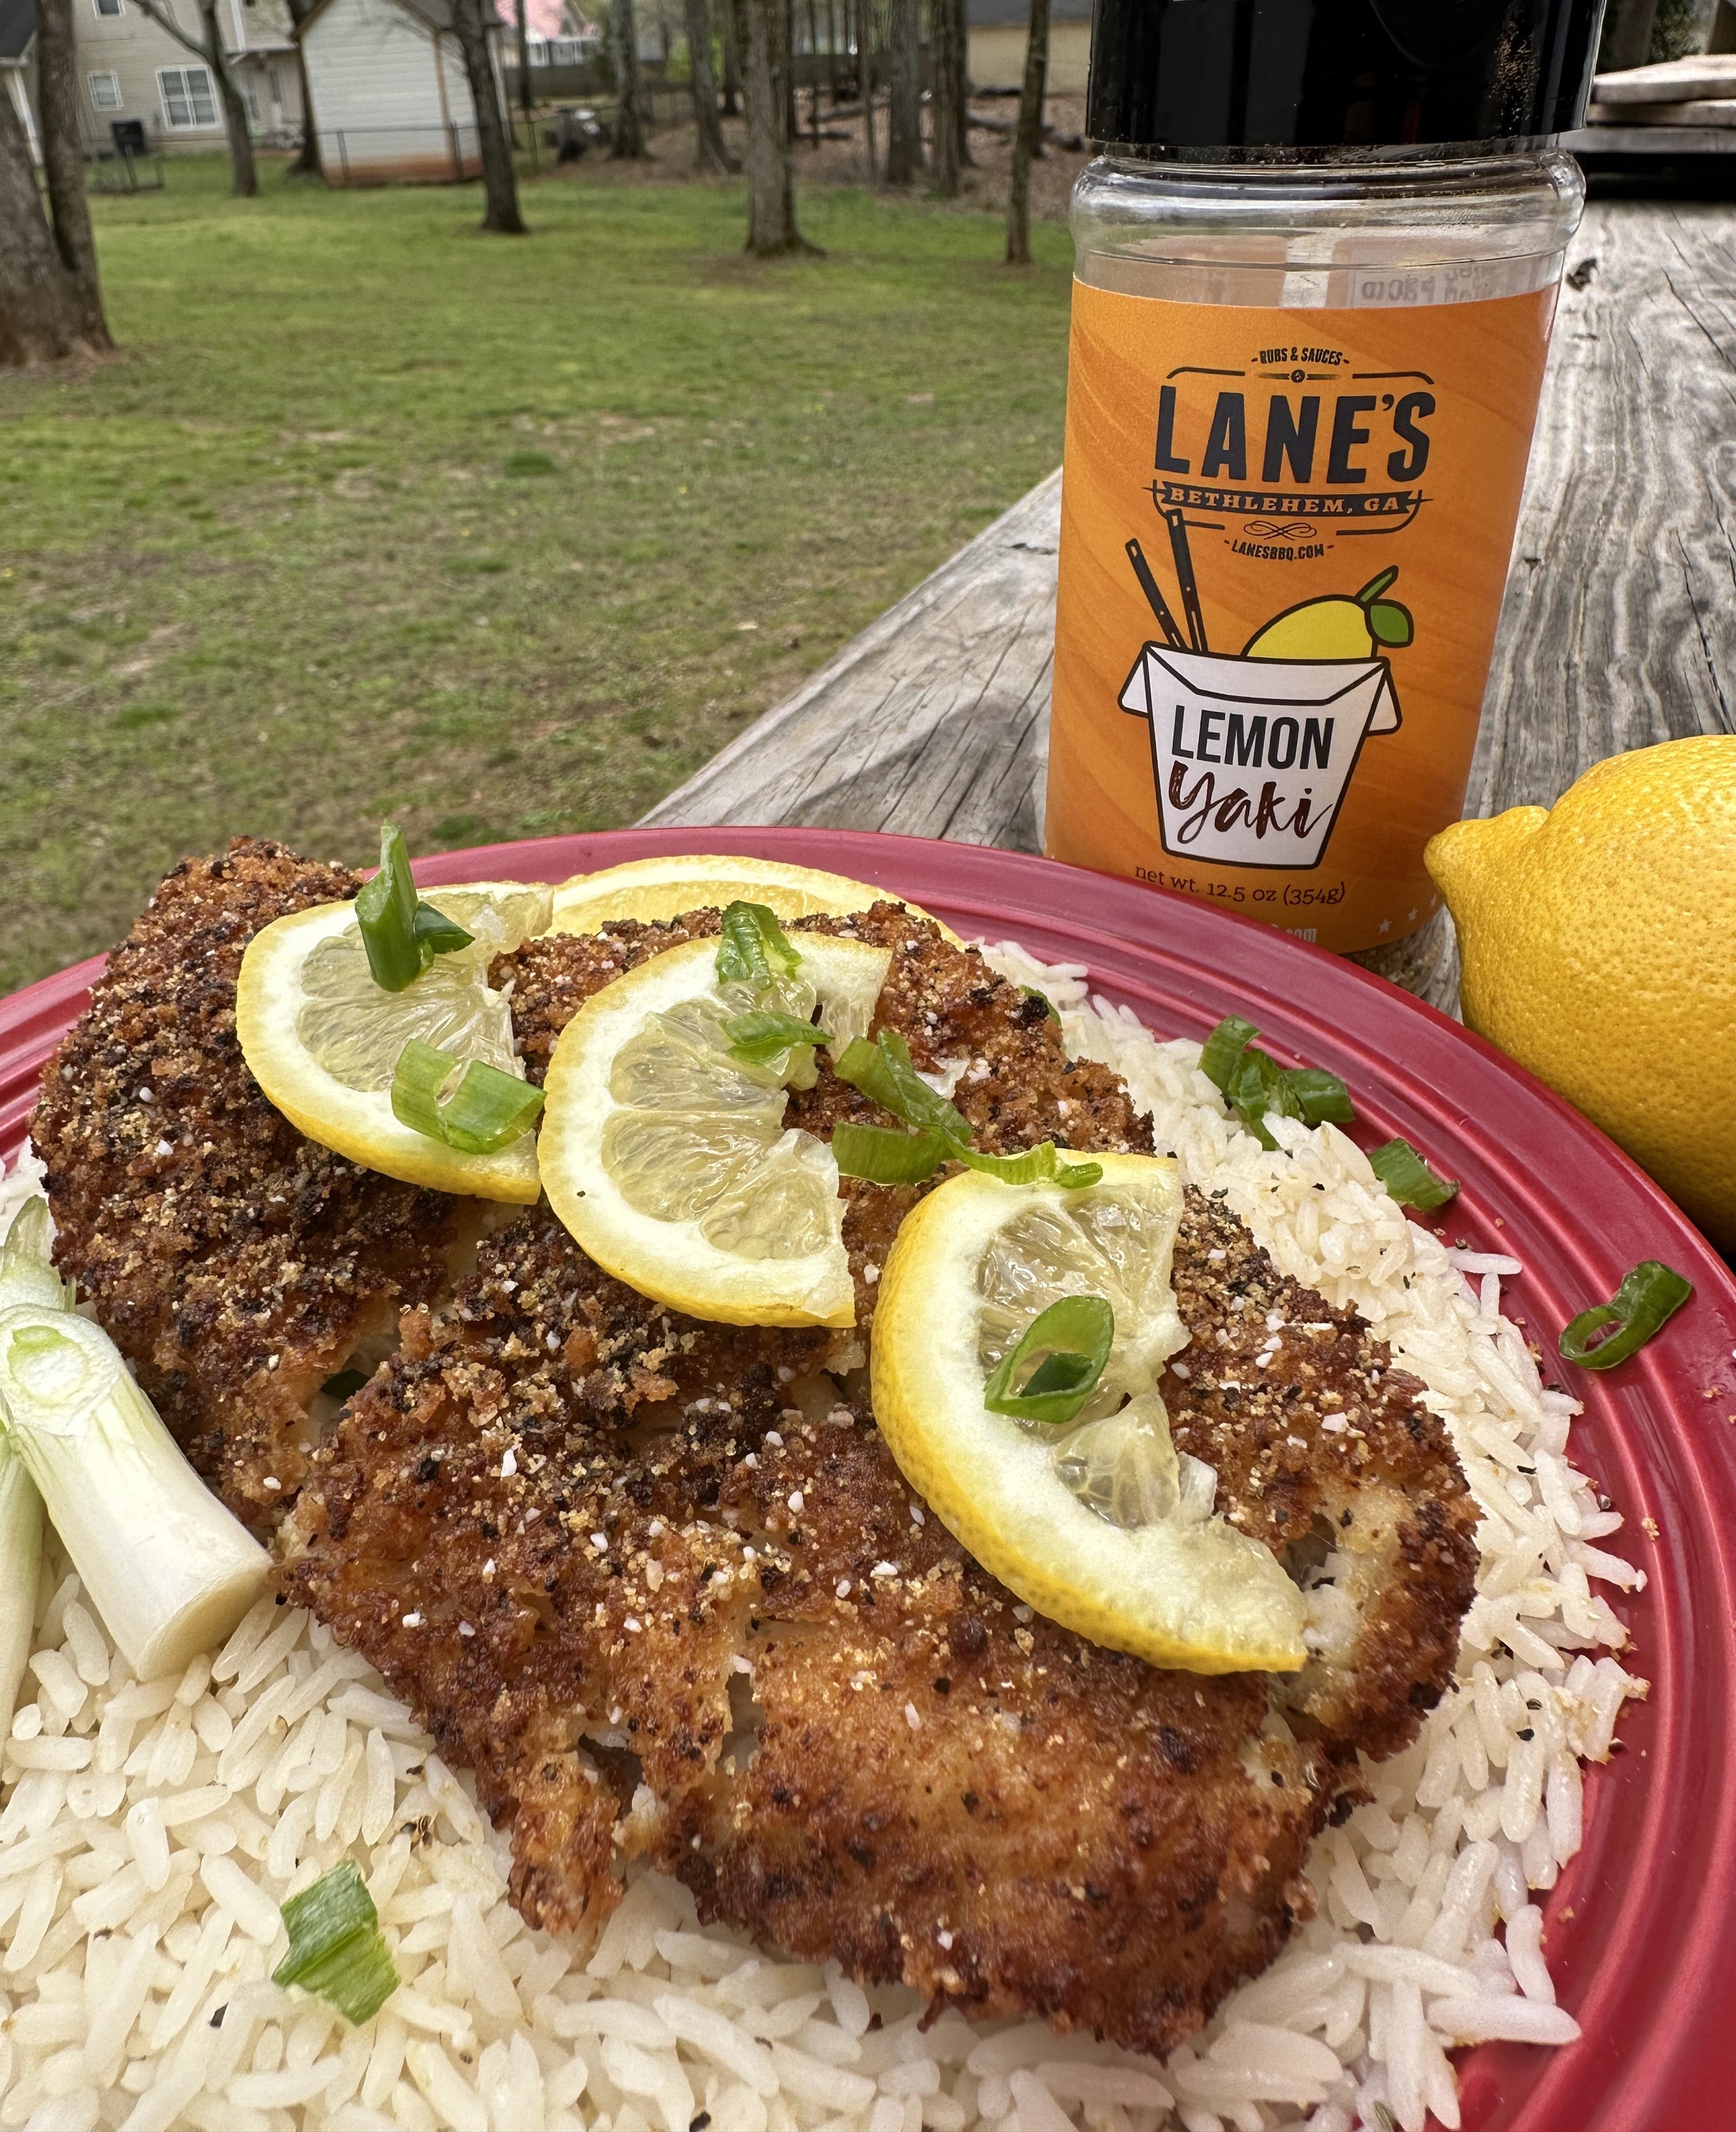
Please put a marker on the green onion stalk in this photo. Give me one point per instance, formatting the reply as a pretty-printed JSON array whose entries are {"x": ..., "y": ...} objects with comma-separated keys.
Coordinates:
[
  {"x": 169, "y": 1570},
  {"x": 25, "y": 1277}
]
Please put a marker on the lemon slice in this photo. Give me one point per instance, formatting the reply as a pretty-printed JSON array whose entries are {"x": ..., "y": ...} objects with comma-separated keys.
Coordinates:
[
  {"x": 322, "y": 1039},
  {"x": 1097, "y": 1525},
  {"x": 650, "y": 890},
  {"x": 669, "y": 1161}
]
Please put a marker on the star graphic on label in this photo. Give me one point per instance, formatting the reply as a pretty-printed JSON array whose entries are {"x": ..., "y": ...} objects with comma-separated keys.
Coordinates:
[
  {"x": 1409, "y": 914},
  {"x": 1385, "y": 926}
]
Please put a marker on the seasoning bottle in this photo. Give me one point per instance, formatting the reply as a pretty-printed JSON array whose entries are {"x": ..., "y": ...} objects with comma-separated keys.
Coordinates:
[{"x": 1316, "y": 265}]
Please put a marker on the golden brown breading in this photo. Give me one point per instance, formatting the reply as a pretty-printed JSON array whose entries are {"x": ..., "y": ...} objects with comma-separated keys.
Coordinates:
[
  {"x": 1325, "y": 1452},
  {"x": 236, "y": 1265},
  {"x": 912, "y": 1772},
  {"x": 659, "y": 1582}
]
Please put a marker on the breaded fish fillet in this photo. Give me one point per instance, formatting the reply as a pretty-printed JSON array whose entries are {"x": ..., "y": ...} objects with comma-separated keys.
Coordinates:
[
  {"x": 235, "y": 1264},
  {"x": 731, "y": 1623},
  {"x": 659, "y": 1582}
]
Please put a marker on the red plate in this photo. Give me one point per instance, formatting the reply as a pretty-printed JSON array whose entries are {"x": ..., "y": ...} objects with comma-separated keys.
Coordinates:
[{"x": 1642, "y": 1928}]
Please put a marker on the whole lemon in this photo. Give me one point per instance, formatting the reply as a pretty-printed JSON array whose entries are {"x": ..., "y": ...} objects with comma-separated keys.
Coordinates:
[{"x": 1599, "y": 947}]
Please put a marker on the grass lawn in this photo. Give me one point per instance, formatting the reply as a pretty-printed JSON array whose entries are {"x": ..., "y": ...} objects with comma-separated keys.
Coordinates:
[{"x": 378, "y": 516}]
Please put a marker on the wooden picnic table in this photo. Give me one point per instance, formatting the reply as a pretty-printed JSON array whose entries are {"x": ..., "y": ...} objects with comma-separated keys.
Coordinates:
[{"x": 1619, "y": 627}]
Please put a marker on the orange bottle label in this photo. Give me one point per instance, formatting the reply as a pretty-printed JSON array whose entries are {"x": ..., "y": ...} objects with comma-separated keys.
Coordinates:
[{"x": 1284, "y": 542}]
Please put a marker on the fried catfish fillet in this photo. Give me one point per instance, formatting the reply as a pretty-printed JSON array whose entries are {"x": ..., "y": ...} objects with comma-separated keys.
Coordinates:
[
  {"x": 1324, "y": 1451},
  {"x": 235, "y": 1264},
  {"x": 620, "y": 1572}
]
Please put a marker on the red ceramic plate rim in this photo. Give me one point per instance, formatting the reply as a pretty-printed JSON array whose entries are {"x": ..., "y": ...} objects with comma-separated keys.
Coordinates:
[{"x": 1642, "y": 1930}]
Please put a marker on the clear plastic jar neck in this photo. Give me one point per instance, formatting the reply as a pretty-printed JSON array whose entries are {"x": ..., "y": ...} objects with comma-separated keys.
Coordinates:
[{"x": 1391, "y": 228}]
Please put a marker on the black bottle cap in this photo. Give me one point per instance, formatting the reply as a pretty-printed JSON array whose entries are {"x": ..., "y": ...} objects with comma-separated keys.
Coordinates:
[{"x": 1182, "y": 76}]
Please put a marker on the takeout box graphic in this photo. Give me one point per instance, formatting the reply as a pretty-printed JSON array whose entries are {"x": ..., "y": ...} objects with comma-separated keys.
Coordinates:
[{"x": 1252, "y": 757}]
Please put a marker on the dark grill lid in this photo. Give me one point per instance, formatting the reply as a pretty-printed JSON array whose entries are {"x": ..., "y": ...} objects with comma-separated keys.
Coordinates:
[{"x": 1189, "y": 74}]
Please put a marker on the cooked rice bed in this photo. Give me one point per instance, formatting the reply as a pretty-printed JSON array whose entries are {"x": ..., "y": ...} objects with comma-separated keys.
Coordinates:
[{"x": 151, "y": 1832}]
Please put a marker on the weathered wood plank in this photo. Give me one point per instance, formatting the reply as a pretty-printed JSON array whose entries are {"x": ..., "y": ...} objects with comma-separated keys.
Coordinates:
[
  {"x": 933, "y": 722},
  {"x": 1618, "y": 627}
]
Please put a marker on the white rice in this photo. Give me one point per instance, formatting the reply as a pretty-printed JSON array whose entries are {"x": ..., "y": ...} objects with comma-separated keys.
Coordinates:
[{"x": 151, "y": 1830}]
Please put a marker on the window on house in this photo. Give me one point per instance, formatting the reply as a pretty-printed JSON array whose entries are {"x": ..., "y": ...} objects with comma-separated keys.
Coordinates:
[
  {"x": 189, "y": 99},
  {"x": 108, "y": 6},
  {"x": 105, "y": 92},
  {"x": 252, "y": 105}
]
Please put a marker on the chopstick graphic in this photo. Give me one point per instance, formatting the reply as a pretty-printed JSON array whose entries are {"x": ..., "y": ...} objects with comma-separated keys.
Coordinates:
[
  {"x": 1159, "y": 605},
  {"x": 1185, "y": 579}
]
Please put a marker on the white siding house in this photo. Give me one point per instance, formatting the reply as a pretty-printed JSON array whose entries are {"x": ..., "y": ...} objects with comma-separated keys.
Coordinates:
[
  {"x": 128, "y": 68},
  {"x": 392, "y": 101}
]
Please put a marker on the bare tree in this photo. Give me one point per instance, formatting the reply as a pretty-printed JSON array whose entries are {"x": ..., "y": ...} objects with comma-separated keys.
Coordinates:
[
  {"x": 306, "y": 164},
  {"x": 904, "y": 119},
  {"x": 865, "y": 40},
  {"x": 771, "y": 180},
  {"x": 208, "y": 47},
  {"x": 629, "y": 140},
  {"x": 500, "y": 180},
  {"x": 1028, "y": 139},
  {"x": 960, "y": 11},
  {"x": 526, "y": 99},
  {"x": 712, "y": 153},
  {"x": 731, "y": 58},
  {"x": 943, "y": 27},
  {"x": 51, "y": 305}
]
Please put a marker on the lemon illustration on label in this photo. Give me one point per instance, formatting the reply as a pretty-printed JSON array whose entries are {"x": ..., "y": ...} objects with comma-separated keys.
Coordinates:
[{"x": 1335, "y": 627}]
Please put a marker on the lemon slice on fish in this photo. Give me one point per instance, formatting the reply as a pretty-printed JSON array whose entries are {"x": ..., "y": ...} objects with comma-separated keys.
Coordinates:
[
  {"x": 667, "y": 1157},
  {"x": 1092, "y": 1519},
  {"x": 652, "y": 890},
  {"x": 322, "y": 1039}
]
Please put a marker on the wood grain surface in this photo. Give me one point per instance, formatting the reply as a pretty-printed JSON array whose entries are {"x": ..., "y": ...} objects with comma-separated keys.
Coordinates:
[{"x": 1618, "y": 627}]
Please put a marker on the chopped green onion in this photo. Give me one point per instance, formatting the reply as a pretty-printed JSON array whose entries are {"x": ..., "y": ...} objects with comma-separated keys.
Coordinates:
[
  {"x": 754, "y": 950},
  {"x": 1037, "y": 1165},
  {"x": 401, "y": 934},
  {"x": 882, "y": 1156},
  {"x": 1254, "y": 1084},
  {"x": 1408, "y": 1178},
  {"x": 1030, "y": 991},
  {"x": 1069, "y": 1342},
  {"x": 336, "y": 1948},
  {"x": 761, "y": 1038},
  {"x": 1321, "y": 1097},
  {"x": 1224, "y": 1048},
  {"x": 487, "y": 1110},
  {"x": 882, "y": 1071},
  {"x": 1648, "y": 1295}
]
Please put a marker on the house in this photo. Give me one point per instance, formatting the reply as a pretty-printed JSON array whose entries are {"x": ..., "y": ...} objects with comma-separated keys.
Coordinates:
[
  {"x": 999, "y": 30},
  {"x": 391, "y": 98},
  {"x": 18, "y": 65},
  {"x": 131, "y": 68}
]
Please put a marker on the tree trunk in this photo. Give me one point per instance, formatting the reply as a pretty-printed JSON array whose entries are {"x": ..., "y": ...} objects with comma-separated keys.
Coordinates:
[
  {"x": 39, "y": 302},
  {"x": 960, "y": 12},
  {"x": 732, "y": 59},
  {"x": 629, "y": 141},
  {"x": 500, "y": 180},
  {"x": 771, "y": 183},
  {"x": 244, "y": 179},
  {"x": 307, "y": 164},
  {"x": 712, "y": 155},
  {"x": 865, "y": 39},
  {"x": 208, "y": 47},
  {"x": 1029, "y": 137},
  {"x": 526, "y": 100},
  {"x": 943, "y": 31},
  {"x": 904, "y": 121},
  {"x": 63, "y": 168}
]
